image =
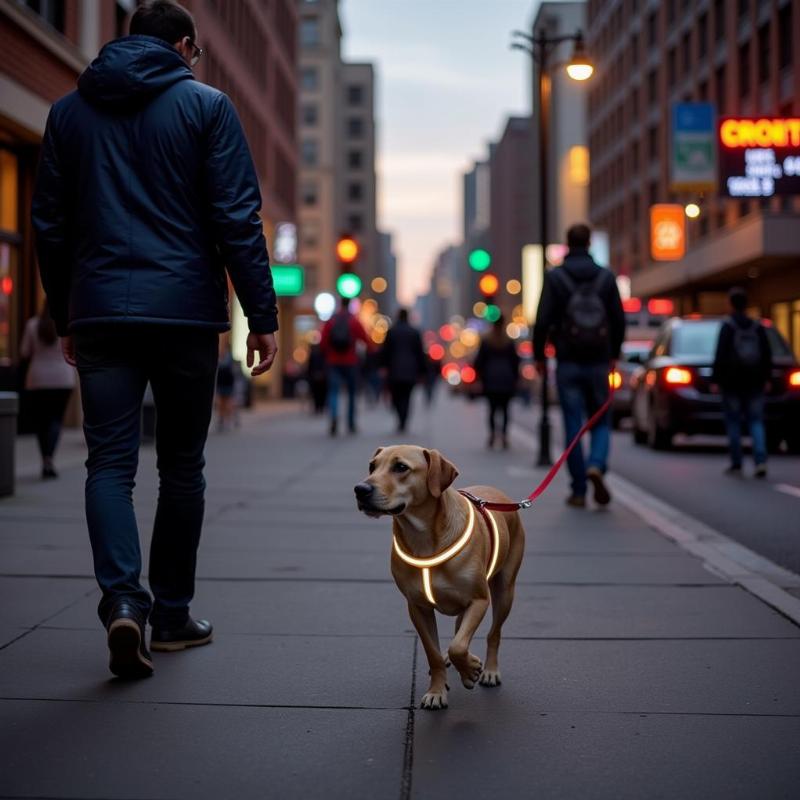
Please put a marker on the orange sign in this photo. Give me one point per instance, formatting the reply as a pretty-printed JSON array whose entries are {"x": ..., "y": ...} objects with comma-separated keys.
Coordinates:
[
  {"x": 760, "y": 132},
  {"x": 667, "y": 232}
]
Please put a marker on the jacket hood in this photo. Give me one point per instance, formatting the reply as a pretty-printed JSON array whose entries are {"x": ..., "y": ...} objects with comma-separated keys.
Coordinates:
[
  {"x": 580, "y": 264},
  {"x": 131, "y": 71}
]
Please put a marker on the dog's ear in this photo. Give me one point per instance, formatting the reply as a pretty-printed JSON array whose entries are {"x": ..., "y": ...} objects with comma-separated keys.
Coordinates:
[
  {"x": 441, "y": 473},
  {"x": 377, "y": 452}
]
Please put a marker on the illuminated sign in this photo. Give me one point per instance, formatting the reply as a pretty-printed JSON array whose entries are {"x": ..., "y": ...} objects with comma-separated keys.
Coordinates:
[
  {"x": 693, "y": 165},
  {"x": 759, "y": 156},
  {"x": 285, "y": 245},
  {"x": 288, "y": 280},
  {"x": 667, "y": 232}
]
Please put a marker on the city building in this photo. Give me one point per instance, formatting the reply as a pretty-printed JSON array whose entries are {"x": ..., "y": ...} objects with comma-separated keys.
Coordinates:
[
  {"x": 741, "y": 57},
  {"x": 387, "y": 298}
]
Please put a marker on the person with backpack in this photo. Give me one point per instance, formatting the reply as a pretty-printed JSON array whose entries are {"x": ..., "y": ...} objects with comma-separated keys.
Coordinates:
[
  {"x": 742, "y": 367},
  {"x": 581, "y": 312},
  {"x": 497, "y": 366},
  {"x": 339, "y": 337},
  {"x": 404, "y": 359}
]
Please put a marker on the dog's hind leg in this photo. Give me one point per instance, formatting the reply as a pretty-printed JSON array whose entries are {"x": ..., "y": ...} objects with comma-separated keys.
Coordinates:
[
  {"x": 502, "y": 597},
  {"x": 424, "y": 621}
]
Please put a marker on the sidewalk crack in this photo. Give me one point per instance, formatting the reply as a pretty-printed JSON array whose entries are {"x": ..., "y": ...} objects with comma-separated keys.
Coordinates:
[{"x": 408, "y": 752}]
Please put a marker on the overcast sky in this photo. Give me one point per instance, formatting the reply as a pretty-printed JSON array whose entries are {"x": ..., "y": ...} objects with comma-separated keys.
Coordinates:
[{"x": 446, "y": 82}]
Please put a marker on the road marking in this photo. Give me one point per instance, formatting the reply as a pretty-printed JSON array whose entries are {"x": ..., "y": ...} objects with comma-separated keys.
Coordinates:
[{"x": 786, "y": 488}]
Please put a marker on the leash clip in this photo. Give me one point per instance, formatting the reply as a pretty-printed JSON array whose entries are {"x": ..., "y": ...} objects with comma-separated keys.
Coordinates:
[{"x": 525, "y": 504}]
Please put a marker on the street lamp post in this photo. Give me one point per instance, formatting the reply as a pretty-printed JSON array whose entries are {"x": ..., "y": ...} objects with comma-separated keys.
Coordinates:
[{"x": 539, "y": 48}]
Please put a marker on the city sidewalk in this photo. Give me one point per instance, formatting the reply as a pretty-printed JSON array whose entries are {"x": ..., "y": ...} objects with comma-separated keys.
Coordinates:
[{"x": 629, "y": 670}]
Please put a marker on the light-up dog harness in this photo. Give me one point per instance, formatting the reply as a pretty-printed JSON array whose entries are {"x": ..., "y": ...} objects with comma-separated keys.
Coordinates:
[{"x": 426, "y": 564}]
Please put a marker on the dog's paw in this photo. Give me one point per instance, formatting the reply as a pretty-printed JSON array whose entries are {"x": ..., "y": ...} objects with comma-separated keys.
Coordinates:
[
  {"x": 490, "y": 677},
  {"x": 434, "y": 701},
  {"x": 470, "y": 671}
]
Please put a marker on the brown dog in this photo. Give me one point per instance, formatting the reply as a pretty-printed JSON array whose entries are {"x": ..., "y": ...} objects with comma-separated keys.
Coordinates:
[{"x": 446, "y": 557}]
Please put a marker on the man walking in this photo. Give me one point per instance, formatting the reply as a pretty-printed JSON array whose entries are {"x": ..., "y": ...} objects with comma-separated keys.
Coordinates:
[
  {"x": 580, "y": 309},
  {"x": 339, "y": 337},
  {"x": 404, "y": 359},
  {"x": 146, "y": 192},
  {"x": 742, "y": 367}
]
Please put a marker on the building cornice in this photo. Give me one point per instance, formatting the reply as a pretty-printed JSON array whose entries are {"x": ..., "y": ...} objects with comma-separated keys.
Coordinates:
[{"x": 50, "y": 39}]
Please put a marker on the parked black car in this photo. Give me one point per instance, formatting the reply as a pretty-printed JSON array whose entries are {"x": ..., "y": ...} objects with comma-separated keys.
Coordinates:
[
  {"x": 673, "y": 389},
  {"x": 634, "y": 354}
]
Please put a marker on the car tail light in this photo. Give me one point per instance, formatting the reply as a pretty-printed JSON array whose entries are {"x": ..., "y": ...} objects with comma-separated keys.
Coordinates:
[
  {"x": 633, "y": 305},
  {"x": 794, "y": 379},
  {"x": 468, "y": 374},
  {"x": 660, "y": 306},
  {"x": 615, "y": 379},
  {"x": 677, "y": 376}
]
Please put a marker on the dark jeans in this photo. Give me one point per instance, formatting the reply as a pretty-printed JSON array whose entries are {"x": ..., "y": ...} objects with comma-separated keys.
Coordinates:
[
  {"x": 749, "y": 406},
  {"x": 115, "y": 363},
  {"x": 47, "y": 412},
  {"x": 498, "y": 402},
  {"x": 401, "y": 400},
  {"x": 338, "y": 375},
  {"x": 582, "y": 389}
]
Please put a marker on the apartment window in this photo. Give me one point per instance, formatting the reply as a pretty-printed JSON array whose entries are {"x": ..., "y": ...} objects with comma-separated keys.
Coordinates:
[
  {"x": 671, "y": 67},
  {"x": 702, "y": 91},
  {"x": 310, "y": 233},
  {"x": 635, "y": 156},
  {"x": 719, "y": 20},
  {"x": 702, "y": 35},
  {"x": 355, "y": 159},
  {"x": 634, "y": 104},
  {"x": 309, "y": 79},
  {"x": 310, "y": 114},
  {"x": 309, "y": 32},
  {"x": 652, "y": 87},
  {"x": 743, "y": 8},
  {"x": 720, "y": 89},
  {"x": 744, "y": 70},
  {"x": 308, "y": 193},
  {"x": 51, "y": 11},
  {"x": 652, "y": 142},
  {"x": 309, "y": 152},
  {"x": 653, "y": 192},
  {"x": 652, "y": 29},
  {"x": 355, "y": 127},
  {"x": 355, "y": 95},
  {"x": 635, "y": 51},
  {"x": 686, "y": 54},
  {"x": 785, "y": 42},
  {"x": 671, "y": 12},
  {"x": 763, "y": 53},
  {"x": 355, "y": 223},
  {"x": 355, "y": 191}
]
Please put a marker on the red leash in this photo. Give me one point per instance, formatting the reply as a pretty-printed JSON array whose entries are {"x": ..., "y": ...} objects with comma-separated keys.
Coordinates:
[{"x": 551, "y": 473}]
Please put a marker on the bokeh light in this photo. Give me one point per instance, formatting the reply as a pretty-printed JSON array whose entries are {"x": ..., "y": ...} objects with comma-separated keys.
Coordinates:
[{"x": 513, "y": 286}]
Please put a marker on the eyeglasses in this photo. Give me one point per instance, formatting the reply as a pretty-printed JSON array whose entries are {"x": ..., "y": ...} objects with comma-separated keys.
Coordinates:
[{"x": 197, "y": 52}]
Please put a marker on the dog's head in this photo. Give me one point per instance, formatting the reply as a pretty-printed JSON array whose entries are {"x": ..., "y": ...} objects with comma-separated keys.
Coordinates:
[{"x": 402, "y": 477}]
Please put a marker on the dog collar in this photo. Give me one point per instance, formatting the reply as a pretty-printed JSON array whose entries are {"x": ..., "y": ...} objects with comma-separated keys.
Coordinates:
[{"x": 425, "y": 564}]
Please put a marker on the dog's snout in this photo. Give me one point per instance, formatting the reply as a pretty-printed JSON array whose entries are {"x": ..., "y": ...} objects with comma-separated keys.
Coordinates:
[{"x": 363, "y": 490}]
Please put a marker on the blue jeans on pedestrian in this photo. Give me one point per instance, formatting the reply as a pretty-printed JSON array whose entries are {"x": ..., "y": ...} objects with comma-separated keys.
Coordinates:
[
  {"x": 115, "y": 364},
  {"x": 582, "y": 389},
  {"x": 338, "y": 375},
  {"x": 749, "y": 406}
]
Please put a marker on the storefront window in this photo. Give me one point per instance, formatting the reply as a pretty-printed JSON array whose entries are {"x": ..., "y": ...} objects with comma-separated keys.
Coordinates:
[
  {"x": 795, "y": 340},
  {"x": 780, "y": 319},
  {"x": 9, "y": 247}
]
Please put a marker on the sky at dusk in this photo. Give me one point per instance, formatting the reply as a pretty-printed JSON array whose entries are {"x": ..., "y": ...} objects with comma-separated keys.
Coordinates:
[{"x": 446, "y": 81}]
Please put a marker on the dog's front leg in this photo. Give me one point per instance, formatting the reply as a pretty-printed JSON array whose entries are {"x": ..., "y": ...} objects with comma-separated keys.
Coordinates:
[
  {"x": 424, "y": 621},
  {"x": 468, "y": 665}
]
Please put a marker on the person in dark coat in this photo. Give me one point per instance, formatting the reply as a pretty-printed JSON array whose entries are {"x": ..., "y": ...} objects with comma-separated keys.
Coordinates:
[
  {"x": 404, "y": 359},
  {"x": 317, "y": 375},
  {"x": 742, "y": 368},
  {"x": 146, "y": 193},
  {"x": 497, "y": 366},
  {"x": 581, "y": 311}
]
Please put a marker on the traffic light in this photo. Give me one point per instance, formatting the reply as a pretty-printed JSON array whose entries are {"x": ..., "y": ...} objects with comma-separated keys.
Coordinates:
[
  {"x": 348, "y": 284},
  {"x": 488, "y": 285},
  {"x": 479, "y": 259},
  {"x": 347, "y": 250}
]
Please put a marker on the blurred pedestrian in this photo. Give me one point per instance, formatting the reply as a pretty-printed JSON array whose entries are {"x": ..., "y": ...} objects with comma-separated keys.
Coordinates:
[
  {"x": 497, "y": 366},
  {"x": 580, "y": 309},
  {"x": 317, "y": 377},
  {"x": 226, "y": 384},
  {"x": 146, "y": 192},
  {"x": 742, "y": 368},
  {"x": 404, "y": 359},
  {"x": 49, "y": 382},
  {"x": 340, "y": 335}
]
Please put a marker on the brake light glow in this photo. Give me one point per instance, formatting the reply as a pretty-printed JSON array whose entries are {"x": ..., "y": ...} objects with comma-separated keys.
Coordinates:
[
  {"x": 633, "y": 305},
  {"x": 794, "y": 379},
  {"x": 468, "y": 374},
  {"x": 660, "y": 306},
  {"x": 678, "y": 376},
  {"x": 614, "y": 379}
]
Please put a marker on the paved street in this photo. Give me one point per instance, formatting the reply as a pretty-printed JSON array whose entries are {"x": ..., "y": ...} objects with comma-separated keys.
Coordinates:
[{"x": 630, "y": 669}]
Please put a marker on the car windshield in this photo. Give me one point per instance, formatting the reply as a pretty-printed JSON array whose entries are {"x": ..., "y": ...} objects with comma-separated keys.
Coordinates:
[{"x": 699, "y": 338}]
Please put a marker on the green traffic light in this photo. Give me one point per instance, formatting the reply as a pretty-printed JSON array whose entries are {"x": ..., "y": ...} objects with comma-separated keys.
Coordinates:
[
  {"x": 480, "y": 259},
  {"x": 348, "y": 285},
  {"x": 492, "y": 313}
]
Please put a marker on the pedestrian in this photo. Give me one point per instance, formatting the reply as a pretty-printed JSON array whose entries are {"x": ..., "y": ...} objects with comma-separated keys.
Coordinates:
[
  {"x": 146, "y": 193},
  {"x": 742, "y": 368},
  {"x": 581, "y": 311},
  {"x": 226, "y": 385},
  {"x": 340, "y": 335},
  {"x": 317, "y": 377},
  {"x": 404, "y": 360},
  {"x": 497, "y": 367},
  {"x": 49, "y": 382}
]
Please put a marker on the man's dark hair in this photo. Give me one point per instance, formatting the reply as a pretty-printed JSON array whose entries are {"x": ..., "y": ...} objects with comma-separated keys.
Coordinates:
[
  {"x": 579, "y": 236},
  {"x": 164, "y": 20},
  {"x": 402, "y": 315},
  {"x": 738, "y": 298}
]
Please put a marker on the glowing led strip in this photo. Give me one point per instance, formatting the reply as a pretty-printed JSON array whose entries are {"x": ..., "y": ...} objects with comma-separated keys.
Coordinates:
[
  {"x": 496, "y": 553},
  {"x": 426, "y": 585},
  {"x": 445, "y": 555}
]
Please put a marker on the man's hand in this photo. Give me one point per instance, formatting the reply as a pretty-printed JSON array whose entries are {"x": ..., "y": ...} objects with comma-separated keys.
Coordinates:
[
  {"x": 68, "y": 349},
  {"x": 267, "y": 349}
]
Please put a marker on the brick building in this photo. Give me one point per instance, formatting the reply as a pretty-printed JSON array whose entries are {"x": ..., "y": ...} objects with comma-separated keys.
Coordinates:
[{"x": 649, "y": 55}]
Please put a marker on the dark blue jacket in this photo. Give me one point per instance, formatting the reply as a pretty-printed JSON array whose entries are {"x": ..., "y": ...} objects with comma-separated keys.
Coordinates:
[{"x": 146, "y": 192}]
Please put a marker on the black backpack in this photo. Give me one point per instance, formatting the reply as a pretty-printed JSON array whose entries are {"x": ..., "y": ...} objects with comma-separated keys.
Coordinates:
[
  {"x": 339, "y": 337},
  {"x": 746, "y": 350},
  {"x": 584, "y": 325}
]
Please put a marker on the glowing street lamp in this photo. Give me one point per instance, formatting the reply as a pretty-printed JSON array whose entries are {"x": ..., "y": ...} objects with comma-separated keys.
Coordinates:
[
  {"x": 692, "y": 210},
  {"x": 579, "y": 68}
]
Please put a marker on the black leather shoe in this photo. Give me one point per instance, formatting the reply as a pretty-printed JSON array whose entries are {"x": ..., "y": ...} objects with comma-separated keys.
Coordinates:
[
  {"x": 194, "y": 633},
  {"x": 130, "y": 658}
]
